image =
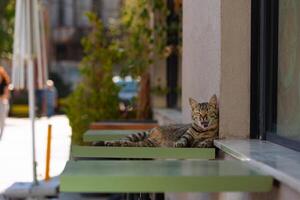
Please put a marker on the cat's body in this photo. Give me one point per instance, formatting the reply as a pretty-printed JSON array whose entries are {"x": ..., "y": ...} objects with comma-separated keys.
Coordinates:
[{"x": 200, "y": 133}]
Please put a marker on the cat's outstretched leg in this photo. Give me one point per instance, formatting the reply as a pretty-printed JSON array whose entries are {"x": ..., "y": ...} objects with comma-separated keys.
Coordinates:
[
  {"x": 185, "y": 140},
  {"x": 136, "y": 137},
  {"x": 129, "y": 140},
  {"x": 207, "y": 143}
]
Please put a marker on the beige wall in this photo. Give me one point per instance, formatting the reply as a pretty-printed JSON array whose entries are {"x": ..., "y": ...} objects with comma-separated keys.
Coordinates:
[
  {"x": 216, "y": 60},
  {"x": 235, "y": 68},
  {"x": 201, "y": 51}
]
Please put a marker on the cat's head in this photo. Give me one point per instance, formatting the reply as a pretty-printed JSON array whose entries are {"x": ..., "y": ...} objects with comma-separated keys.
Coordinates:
[{"x": 205, "y": 115}]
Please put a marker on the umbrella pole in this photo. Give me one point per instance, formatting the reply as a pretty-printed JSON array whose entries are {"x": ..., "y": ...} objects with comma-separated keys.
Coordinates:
[
  {"x": 30, "y": 74},
  {"x": 30, "y": 79}
]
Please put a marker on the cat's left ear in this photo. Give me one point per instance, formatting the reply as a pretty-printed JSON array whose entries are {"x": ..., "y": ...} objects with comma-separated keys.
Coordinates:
[
  {"x": 193, "y": 103},
  {"x": 213, "y": 101}
]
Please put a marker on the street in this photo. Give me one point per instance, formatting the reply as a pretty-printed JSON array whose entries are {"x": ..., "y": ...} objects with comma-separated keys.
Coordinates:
[{"x": 16, "y": 149}]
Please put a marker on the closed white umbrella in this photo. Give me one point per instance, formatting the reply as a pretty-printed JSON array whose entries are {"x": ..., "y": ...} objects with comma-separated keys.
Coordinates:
[{"x": 29, "y": 57}]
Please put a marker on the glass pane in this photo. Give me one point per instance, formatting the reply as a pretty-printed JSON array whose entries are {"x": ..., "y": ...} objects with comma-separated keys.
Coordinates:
[{"x": 288, "y": 107}]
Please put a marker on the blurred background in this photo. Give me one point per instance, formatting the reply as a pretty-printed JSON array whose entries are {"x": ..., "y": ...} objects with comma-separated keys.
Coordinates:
[{"x": 107, "y": 60}]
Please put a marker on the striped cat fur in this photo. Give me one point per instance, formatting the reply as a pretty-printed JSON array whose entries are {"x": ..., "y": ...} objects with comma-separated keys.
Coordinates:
[{"x": 200, "y": 133}]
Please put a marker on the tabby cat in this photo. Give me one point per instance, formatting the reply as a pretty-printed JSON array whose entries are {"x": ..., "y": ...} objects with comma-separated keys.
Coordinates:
[{"x": 201, "y": 133}]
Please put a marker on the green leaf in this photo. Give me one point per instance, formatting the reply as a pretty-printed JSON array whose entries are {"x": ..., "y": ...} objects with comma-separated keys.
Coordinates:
[{"x": 96, "y": 97}]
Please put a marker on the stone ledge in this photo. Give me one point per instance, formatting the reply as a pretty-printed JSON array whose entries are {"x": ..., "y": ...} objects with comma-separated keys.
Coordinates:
[{"x": 280, "y": 162}]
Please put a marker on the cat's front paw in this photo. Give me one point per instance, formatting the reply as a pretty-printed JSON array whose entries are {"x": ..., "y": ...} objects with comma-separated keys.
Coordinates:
[
  {"x": 179, "y": 144},
  {"x": 205, "y": 144}
]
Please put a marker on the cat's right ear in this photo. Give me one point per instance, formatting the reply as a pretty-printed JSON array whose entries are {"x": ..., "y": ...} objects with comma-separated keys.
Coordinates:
[
  {"x": 193, "y": 103},
  {"x": 213, "y": 100}
]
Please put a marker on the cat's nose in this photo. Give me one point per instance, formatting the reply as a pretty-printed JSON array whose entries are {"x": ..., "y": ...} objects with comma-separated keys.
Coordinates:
[{"x": 204, "y": 124}]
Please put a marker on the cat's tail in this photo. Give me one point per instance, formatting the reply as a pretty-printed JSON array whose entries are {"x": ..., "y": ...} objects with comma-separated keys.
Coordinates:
[
  {"x": 99, "y": 143},
  {"x": 126, "y": 143}
]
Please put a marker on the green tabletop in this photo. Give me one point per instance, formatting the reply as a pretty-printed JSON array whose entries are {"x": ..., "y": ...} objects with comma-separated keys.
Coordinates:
[
  {"x": 105, "y": 135},
  {"x": 162, "y": 176},
  {"x": 142, "y": 152}
]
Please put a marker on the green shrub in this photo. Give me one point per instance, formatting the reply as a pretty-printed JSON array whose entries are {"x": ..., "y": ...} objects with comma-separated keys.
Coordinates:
[
  {"x": 7, "y": 14},
  {"x": 96, "y": 96}
]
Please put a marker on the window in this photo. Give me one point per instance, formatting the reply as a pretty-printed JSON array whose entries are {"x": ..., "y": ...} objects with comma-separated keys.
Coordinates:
[
  {"x": 275, "y": 76},
  {"x": 61, "y": 16},
  {"x": 288, "y": 94},
  {"x": 174, "y": 32}
]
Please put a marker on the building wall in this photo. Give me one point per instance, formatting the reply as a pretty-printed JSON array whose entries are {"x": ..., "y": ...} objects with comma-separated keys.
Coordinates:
[
  {"x": 216, "y": 60},
  {"x": 201, "y": 65},
  {"x": 110, "y": 10},
  {"x": 68, "y": 13},
  {"x": 53, "y": 10},
  {"x": 82, "y": 7},
  {"x": 68, "y": 24},
  {"x": 73, "y": 12},
  {"x": 235, "y": 68}
]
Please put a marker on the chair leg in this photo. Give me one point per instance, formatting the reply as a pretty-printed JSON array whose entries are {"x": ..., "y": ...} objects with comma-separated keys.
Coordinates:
[{"x": 159, "y": 196}]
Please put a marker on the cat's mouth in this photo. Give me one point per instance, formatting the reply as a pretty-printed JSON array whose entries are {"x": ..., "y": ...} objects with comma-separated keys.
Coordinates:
[{"x": 204, "y": 124}]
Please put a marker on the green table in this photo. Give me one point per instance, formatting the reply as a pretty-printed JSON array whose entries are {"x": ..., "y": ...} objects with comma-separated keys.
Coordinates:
[
  {"x": 105, "y": 135},
  {"x": 123, "y": 125},
  {"x": 142, "y": 152},
  {"x": 162, "y": 176}
]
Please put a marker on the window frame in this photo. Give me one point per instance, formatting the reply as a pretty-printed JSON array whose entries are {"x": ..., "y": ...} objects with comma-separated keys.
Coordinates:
[
  {"x": 172, "y": 61},
  {"x": 264, "y": 69}
]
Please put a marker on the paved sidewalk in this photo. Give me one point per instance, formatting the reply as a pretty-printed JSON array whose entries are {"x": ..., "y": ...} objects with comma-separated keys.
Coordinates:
[{"x": 16, "y": 149}]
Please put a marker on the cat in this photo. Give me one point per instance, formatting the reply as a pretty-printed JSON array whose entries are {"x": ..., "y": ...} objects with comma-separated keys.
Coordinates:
[{"x": 200, "y": 133}]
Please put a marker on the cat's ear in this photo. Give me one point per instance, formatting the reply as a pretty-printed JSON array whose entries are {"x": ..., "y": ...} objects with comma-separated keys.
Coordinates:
[
  {"x": 193, "y": 103},
  {"x": 213, "y": 100}
]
